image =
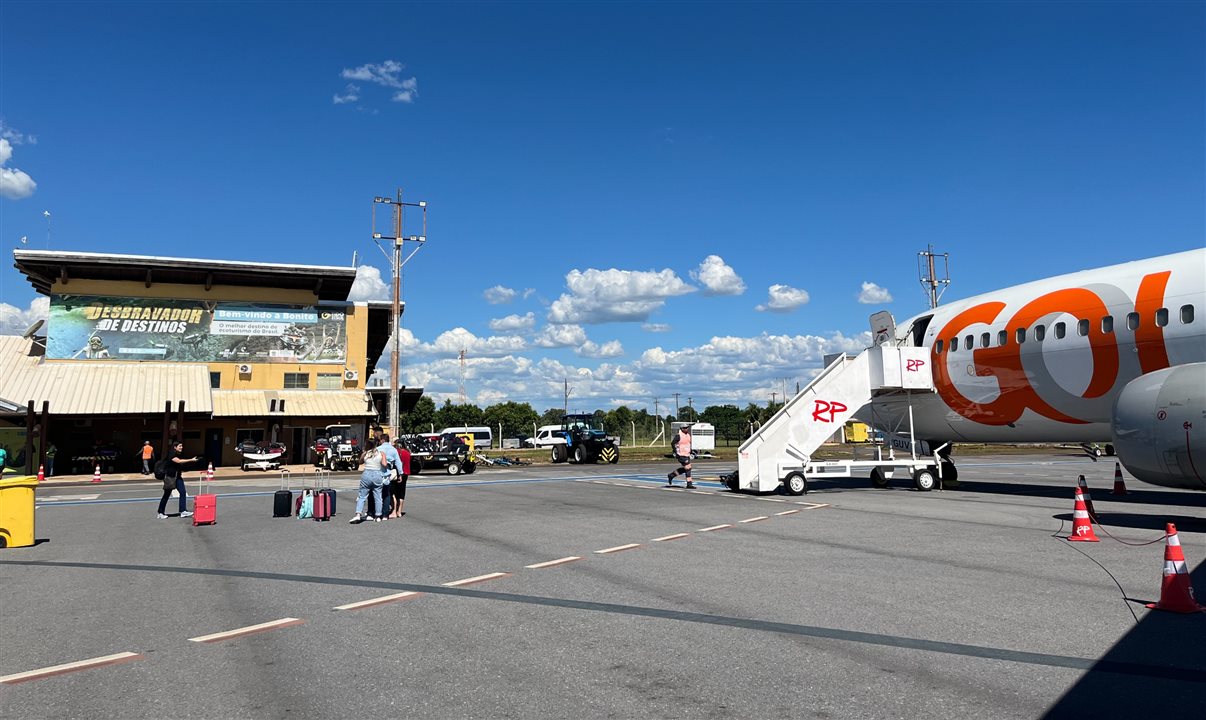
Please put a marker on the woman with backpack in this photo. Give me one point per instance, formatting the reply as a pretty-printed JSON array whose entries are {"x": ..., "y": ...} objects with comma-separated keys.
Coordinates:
[{"x": 169, "y": 470}]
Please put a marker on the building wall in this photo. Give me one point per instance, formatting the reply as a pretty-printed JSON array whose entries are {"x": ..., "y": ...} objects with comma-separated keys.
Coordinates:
[{"x": 263, "y": 376}]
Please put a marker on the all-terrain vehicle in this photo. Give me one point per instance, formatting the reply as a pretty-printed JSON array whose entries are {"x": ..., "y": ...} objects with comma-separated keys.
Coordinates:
[
  {"x": 428, "y": 452},
  {"x": 584, "y": 443},
  {"x": 339, "y": 450}
]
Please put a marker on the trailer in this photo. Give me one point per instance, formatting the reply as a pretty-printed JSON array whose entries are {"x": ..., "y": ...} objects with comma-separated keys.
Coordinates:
[
  {"x": 703, "y": 437},
  {"x": 780, "y": 452}
]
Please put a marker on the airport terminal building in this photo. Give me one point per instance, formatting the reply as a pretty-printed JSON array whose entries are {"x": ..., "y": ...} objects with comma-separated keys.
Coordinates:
[{"x": 216, "y": 353}]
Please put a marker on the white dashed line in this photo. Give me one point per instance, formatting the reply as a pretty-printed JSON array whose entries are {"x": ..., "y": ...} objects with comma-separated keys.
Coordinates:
[
  {"x": 479, "y": 578},
  {"x": 755, "y": 519},
  {"x": 618, "y": 548},
  {"x": 378, "y": 601},
  {"x": 552, "y": 563},
  {"x": 671, "y": 537},
  {"x": 239, "y": 632},
  {"x": 68, "y": 667},
  {"x": 715, "y": 527},
  {"x": 790, "y": 512}
]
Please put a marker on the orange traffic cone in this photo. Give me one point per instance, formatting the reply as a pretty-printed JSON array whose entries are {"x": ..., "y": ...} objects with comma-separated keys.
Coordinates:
[
  {"x": 1084, "y": 489},
  {"x": 96, "y": 475},
  {"x": 1176, "y": 594},
  {"x": 1082, "y": 529},
  {"x": 1119, "y": 485},
  {"x": 209, "y": 474},
  {"x": 41, "y": 474}
]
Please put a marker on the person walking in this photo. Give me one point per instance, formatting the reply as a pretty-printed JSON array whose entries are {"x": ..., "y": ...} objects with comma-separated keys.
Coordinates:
[
  {"x": 173, "y": 478},
  {"x": 398, "y": 486},
  {"x": 393, "y": 466},
  {"x": 51, "y": 451},
  {"x": 148, "y": 455},
  {"x": 375, "y": 467},
  {"x": 682, "y": 453}
]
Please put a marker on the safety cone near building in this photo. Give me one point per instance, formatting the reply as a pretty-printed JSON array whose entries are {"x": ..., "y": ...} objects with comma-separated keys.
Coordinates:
[
  {"x": 209, "y": 473},
  {"x": 1176, "y": 592},
  {"x": 41, "y": 473},
  {"x": 1119, "y": 485},
  {"x": 96, "y": 475},
  {"x": 1084, "y": 489},
  {"x": 1082, "y": 528}
]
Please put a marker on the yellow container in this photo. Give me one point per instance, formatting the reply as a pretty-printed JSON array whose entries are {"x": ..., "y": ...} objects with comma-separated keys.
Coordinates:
[{"x": 17, "y": 512}]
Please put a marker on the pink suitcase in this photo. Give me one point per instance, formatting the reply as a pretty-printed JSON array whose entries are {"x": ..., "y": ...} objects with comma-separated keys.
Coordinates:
[{"x": 205, "y": 507}]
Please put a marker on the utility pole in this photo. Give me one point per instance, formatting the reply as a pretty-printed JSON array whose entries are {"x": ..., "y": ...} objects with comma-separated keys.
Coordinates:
[
  {"x": 929, "y": 280},
  {"x": 565, "y": 407},
  {"x": 773, "y": 396},
  {"x": 675, "y": 406},
  {"x": 396, "y": 263}
]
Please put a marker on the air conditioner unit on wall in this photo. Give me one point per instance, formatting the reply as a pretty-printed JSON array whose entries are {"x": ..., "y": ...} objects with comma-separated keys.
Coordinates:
[
  {"x": 244, "y": 369},
  {"x": 350, "y": 375}
]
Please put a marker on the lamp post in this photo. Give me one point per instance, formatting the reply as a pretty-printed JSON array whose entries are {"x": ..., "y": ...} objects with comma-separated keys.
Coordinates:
[{"x": 396, "y": 263}]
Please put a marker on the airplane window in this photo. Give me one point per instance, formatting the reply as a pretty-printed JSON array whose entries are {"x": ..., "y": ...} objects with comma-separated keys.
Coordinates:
[
  {"x": 954, "y": 344},
  {"x": 1132, "y": 321},
  {"x": 1186, "y": 314},
  {"x": 938, "y": 347},
  {"x": 969, "y": 342},
  {"x": 1060, "y": 330},
  {"x": 1040, "y": 332},
  {"x": 1020, "y": 333},
  {"x": 984, "y": 340},
  {"x": 1107, "y": 324},
  {"x": 1082, "y": 328},
  {"x": 1162, "y": 317},
  {"x": 1002, "y": 338}
]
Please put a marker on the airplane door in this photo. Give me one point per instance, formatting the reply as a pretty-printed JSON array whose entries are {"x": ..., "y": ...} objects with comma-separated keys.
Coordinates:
[{"x": 883, "y": 328}]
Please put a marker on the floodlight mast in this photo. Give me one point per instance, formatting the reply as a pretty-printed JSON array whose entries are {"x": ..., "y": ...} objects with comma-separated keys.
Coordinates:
[{"x": 396, "y": 263}]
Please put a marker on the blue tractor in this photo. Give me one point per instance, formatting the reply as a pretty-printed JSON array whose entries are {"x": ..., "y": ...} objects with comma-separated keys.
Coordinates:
[{"x": 583, "y": 443}]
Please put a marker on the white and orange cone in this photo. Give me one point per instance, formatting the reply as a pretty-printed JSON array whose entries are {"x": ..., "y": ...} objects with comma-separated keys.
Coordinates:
[
  {"x": 209, "y": 474},
  {"x": 1119, "y": 485},
  {"x": 1084, "y": 489},
  {"x": 1176, "y": 592},
  {"x": 96, "y": 475},
  {"x": 1082, "y": 528},
  {"x": 41, "y": 473}
]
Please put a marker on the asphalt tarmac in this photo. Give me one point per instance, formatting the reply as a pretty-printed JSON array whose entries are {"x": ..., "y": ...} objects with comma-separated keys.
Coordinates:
[{"x": 593, "y": 591}]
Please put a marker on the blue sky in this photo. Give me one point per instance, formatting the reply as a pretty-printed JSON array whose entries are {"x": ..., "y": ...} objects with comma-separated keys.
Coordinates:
[{"x": 654, "y": 189}]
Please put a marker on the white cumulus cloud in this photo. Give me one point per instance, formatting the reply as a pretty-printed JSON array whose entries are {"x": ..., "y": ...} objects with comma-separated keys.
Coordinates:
[
  {"x": 368, "y": 285},
  {"x": 499, "y": 295},
  {"x": 409, "y": 91},
  {"x": 14, "y": 184},
  {"x": 514, "y": 323},
  {"x": 656, "y": 327},
  {"x": 451, "y": 342},
  {"x": 783, "y": 299},
  {"x": 872, "y": 294},
  {"x": 717, "y": 277},
  {"x": 559, "y": 336},
  {"x": 609, "y": 349},
  {"x": 15, "y": 320},
  {"x": 600, "y": 296},
  {"x": 350, "y": 95}
]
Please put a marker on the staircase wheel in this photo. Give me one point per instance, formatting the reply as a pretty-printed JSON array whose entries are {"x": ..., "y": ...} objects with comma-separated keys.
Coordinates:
[
  {"x": 879, "y": 478},
  {"x": 925, "y": 479},
  {"x": 795, "y": 484}
]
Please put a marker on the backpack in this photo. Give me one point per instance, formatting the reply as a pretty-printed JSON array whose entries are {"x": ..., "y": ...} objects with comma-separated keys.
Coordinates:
[
  {"x": 161, "y": 470},
  {"x": 307, "y": 506}
]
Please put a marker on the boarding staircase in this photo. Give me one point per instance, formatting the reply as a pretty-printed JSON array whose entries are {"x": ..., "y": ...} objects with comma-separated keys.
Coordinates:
[{"x": 786, "y": 443}]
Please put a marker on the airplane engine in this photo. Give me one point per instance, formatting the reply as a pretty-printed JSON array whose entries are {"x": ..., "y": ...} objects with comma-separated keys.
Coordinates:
[{"x": 1159, "y": 426}]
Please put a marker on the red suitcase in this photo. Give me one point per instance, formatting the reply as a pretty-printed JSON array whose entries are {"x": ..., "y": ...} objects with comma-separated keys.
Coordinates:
[
  {"x": 205, "y": 507},
  {"x": 322, "y": 505}
]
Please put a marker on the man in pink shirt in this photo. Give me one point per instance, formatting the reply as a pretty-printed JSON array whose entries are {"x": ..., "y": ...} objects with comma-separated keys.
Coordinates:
[{"x": 682, "y": 452}]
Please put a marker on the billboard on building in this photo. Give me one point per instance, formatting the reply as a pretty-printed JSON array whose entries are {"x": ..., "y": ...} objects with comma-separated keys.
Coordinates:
[{"x": 88, "y": 327}]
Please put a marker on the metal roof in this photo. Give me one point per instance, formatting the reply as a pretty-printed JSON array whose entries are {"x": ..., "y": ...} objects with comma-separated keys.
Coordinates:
[
  {"x": 43, "y": 267},
  {"x": 291, "y": 403},
  {"x": 99, "y": 388}
]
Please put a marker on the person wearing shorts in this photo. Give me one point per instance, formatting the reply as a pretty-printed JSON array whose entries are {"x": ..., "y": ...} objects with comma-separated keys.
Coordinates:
[
  {"x": 398, "y": 486},
  {"x": 682, "y": 453}
]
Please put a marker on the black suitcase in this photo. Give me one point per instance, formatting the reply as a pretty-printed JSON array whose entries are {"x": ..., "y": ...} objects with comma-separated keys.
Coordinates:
[{"x": 282, "y": 500}]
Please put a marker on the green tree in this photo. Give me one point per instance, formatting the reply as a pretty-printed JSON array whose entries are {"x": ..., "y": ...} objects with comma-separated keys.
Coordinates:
[
  {"x": 687, "y": 414},
  {"x": 619, "y": 422},
  {"x": 420, "y": 418},
  {"x": 730, "y": 423},
  {"x": 516, "y": 419},
  {"x": 552, "y": 416},
  {"x": 461, "y": 415}
]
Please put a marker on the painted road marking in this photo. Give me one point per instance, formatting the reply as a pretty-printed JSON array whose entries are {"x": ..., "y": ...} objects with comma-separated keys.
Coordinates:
[
  {"x": 715, "y": 527},
  {"x": 479, "y": 578},
  {"x": 755, "y": 519},
  {"x": 773, "y": 499},
  {"x": 814, "y": 506},
  {"x": 250, "y": 629},
  {"x": 65, "y": 498},
  {"x": 671, "y": 537},
  {"x": 553, "y": 563},
  {"x": 618, "y": 548},
  {"x": 378, "y": 601},
  {"x": 790, "y": 512},
  {"x": 68, "y": 667}
]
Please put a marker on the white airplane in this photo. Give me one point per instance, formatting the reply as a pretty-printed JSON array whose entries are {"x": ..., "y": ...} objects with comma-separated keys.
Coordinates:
[{"x": 1117, "y": 353}]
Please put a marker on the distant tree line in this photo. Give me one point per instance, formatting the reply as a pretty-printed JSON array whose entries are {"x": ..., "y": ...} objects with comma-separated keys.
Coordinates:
[{"x": 518, "y": 419}]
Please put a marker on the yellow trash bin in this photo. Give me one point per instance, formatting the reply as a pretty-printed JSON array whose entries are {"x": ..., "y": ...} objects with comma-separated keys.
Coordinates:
[{"x": 17, "y": 512}]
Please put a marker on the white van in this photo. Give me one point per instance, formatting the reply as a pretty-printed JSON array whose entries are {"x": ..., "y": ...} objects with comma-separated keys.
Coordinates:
[
  {"x": 544, "y": 437},
  {"x": 482, "y": 436}
]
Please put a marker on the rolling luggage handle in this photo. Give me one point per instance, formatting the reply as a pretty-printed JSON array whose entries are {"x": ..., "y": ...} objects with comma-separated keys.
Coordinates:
[
  {"x": 203, "y": 483},
  {"x": 286, "y": 479}
]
